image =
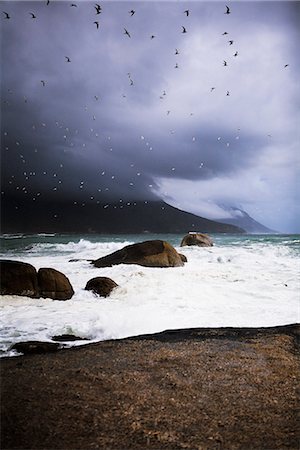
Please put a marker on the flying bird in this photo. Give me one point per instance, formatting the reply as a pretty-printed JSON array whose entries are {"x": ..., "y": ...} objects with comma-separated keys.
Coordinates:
[
  {"x": 97, "y": 24},
  {"x": 286, "y": 66},
  {"x": 7, "y": 16},
  {"x": 97, "y": 8},
  {"x": 68, "y": 59},
  {"x": 48, "y": 1},
  {"x": 43, "y": 82},
  {"x": 183, "y": 29},
  {"x": 74, "y": 5},
  {"x": 126, "y": 32},
  {"x": 230, "y": 42},
  {"x": 187, "y": 12},
  {"x": 33, "y": 16},
  {"x": 225, "y": 32},
  {"x": 176, "y": 66},
  {"x": 176, "y": 51},
  {"x": 227, "y": 94},
  {"x": 212, "y": 89},
  {"x": 227, "y": 10},
  {"x": 152, "y": 36},
  {"x": 132, "y": 12},
  {"x": 224, "y": 63},
  {"x": 236, "y": 53}
]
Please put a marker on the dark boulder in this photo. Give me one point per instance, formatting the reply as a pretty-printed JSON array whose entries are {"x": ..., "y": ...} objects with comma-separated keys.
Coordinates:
[
  {"x": 54, "y": 284},
  {"x": 199, "y": 239},
  {"x": 31, "y": 347},
  {"x": 18, "y": 278},
  {"x": 101, "y": 286},
  {"x": 149, "y": 253},
  {"x": 67, "y": 338}
]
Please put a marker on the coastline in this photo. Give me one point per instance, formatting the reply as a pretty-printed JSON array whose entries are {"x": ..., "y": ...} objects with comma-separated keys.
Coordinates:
[{"x": 194, "y": 388}]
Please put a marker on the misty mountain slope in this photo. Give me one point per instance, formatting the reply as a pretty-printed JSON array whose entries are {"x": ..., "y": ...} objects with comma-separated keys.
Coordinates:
[
  {"x": 137, "y": 217},
  {"x": 243, "y": 220}
]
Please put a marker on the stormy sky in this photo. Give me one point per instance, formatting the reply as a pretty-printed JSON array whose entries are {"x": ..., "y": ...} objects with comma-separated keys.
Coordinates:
[{"x": 120, "y": 104}]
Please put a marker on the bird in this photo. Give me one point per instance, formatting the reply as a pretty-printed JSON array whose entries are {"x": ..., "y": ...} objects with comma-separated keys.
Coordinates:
[
  {"x": 97, "y": 8},
  {"x": 236, "y": 53},
  {"x": 227, "y": 93},
  {"x": 33, "y": 16},
  {"x": 224, "y": 63},
  {"x": 68, "y": 59},
  {"x": 126, "y": 32},
  {"x": 48, "y": 1},
  {"x": 230, "y": 42},
  {"x": 183, "y": 29},
  {"x": 132, "y": 12},
  {"x": 212, "y": 89},
  {"x": 43, "y": 82},
  {"x": 225, "y": 32},
  {"x": 187, "y": 12},
  {"x": 176, "y": 66},
  {"x": 176, "y": 51},
  {"x": 74, "y": 5},
  {"x": 227, "y": 10},
  {"x": 97, "y": 24},
  {"x": 7, "y": 16},
  {"x": 131, "y": 83},
  {"x": 286, "y": 65},
  {"x": 96, "y": 97}
]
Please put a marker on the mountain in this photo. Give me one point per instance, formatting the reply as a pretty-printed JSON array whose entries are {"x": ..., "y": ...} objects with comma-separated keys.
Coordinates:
[
  {"x": 131, "y": 217},
  {"x": 243, "y": 220}
]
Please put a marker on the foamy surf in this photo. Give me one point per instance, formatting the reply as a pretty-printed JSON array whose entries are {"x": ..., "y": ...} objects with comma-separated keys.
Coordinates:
[{"x": 240, "y": 282}]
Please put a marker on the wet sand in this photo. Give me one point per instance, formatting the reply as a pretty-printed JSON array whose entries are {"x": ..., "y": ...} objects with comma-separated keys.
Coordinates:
[{"x": 223, "y": 388}]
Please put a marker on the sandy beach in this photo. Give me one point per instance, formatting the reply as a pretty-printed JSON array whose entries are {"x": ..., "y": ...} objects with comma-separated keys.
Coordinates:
[{"x": 223, "y": 388}]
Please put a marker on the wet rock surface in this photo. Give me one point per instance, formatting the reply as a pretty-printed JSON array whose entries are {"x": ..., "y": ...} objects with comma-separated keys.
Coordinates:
[
  {"x": 101, "y": 286},
  {"x": 226, "y": 388},
  {"x": 154, "y": 253},
  {"x": 199, "y": 239}
]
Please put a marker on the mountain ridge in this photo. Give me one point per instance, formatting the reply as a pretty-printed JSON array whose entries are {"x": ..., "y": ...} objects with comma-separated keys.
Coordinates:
[{"x": 130, "y": 217}]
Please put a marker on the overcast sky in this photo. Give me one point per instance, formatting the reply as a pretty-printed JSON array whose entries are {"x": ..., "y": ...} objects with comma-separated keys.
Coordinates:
[{"x": 156, "y": 113}]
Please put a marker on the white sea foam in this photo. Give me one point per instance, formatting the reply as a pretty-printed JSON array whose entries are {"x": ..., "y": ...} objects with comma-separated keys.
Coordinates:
[{"x": 249, "y": 285}]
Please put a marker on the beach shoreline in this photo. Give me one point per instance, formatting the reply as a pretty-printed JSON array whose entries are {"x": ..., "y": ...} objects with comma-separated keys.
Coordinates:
[{"x": 194, "y": 388}]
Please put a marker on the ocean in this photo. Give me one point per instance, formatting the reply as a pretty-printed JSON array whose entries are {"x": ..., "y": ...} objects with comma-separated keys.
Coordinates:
[{"x": 242, "y": 281}]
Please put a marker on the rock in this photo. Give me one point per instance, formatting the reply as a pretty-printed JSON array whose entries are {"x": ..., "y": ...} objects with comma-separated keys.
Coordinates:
[
  {"x": 200, "y": 239},
  {"x": 149, "y": 253},
  {"x": 31, "y": 347},
  {"x": 101, "y": 286},
  {"x": 67, "y": 338},
  {"x": 183, "y": 257},
  {"x": 18, "y": 278},
  {"x": 54, "y": 284}
]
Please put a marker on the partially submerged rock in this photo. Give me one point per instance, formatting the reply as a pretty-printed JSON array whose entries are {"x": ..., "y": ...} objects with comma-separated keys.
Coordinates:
[
  {"x": 54, "y": 284},
  {"x": 154, "y": 253},
  {"x": 101, "y": 286},
  {"x": 31, "y": 347},
  {"x": 67, "y": 338},
  {"x": 200, "y": 239},
  {"x": 18, "y": 278}
]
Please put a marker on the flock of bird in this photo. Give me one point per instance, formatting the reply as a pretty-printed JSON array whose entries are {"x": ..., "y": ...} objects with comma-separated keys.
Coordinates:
[{"x": 162, "y": 96}]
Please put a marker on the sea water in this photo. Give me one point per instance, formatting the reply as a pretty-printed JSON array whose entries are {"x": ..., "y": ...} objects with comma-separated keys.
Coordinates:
[{"x": 242, "y": 281}]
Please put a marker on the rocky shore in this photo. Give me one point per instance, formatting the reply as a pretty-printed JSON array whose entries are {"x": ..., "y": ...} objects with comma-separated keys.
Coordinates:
[{"x": 223, "y": 388}]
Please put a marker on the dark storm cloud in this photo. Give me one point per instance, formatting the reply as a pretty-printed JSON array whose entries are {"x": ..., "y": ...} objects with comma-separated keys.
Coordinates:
[{"x": 121, "y": 121}]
